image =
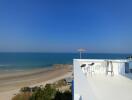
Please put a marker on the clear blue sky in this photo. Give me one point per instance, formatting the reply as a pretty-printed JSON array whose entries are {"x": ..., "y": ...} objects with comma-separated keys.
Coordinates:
[{"x": 65, "y": 25}]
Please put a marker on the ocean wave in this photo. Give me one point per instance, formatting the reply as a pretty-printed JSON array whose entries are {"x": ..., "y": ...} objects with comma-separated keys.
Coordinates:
[
  {"x": 5, "y": 65},
  {"x": 16, "y": 70}
]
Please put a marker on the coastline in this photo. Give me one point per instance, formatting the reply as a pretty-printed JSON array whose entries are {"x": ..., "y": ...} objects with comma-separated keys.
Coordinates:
[{"x": 11, "y": 83}]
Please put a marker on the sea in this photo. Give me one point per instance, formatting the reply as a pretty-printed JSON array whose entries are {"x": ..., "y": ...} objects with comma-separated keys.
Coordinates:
[{"x": 24, "y": 61}]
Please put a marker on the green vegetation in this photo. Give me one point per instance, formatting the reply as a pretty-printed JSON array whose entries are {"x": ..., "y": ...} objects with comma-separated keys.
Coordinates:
[
  {"x": 49, "y": 92},
  {"x": 46, "y": 93},
  {"x": 60, "y": 83},
  {"x": 28, "y": 89},
  {"x": 22, "y": 96},
  {"x": 63, "y": 96}
]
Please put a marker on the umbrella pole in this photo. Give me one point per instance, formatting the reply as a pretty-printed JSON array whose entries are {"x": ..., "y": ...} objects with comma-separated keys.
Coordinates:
[{"x": 80, "y": 54}]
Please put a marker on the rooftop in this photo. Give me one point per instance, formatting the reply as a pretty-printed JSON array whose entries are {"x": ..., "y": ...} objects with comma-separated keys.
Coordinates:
[
  {"x": 111, "y": 88},
  {"x": 100, "y": 86}
]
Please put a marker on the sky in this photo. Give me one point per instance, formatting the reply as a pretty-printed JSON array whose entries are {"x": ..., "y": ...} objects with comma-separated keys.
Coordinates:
[{"x": 100, "y": 26}]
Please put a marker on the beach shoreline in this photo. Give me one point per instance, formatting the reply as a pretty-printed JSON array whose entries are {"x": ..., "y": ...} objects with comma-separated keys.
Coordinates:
[{"x": 11, "y": 83}]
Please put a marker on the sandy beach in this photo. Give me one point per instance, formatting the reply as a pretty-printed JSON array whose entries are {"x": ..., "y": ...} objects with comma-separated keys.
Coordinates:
[{"x": 10, "y": 83}]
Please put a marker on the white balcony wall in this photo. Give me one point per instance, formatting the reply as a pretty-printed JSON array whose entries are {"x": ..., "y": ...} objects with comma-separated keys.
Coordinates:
[
  {"x": 99, "y": 66},
  {"x": 98, "y": 86},
  {"x": 82, "y": 87}
]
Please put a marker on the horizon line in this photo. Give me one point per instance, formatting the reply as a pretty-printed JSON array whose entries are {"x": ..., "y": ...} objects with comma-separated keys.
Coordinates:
[{"x": 63, "y": 52}]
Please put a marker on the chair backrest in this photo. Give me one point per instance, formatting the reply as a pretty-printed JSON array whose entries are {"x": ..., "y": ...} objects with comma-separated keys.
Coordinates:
[
  {"x": 91, "y": 64},
  {"x": 83, "y": 65}
]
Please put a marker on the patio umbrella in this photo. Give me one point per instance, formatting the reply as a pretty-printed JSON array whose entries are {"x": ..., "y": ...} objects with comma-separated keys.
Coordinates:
[{"x": 80, "y": 51}]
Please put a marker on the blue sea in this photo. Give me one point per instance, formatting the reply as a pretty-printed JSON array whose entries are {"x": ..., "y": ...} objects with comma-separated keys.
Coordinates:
[{"x": 24, "y": 61}]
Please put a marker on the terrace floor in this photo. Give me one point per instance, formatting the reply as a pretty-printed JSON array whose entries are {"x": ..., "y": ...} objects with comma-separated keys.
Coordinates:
[{"x": 111, "y": 88}]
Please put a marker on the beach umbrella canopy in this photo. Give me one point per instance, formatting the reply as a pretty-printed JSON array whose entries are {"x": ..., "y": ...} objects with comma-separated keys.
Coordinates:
[{"x": 81, "y": 50}]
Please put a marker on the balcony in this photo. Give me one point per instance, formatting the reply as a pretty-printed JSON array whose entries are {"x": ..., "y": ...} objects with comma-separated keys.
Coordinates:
[{"x": 102, "y": 79}]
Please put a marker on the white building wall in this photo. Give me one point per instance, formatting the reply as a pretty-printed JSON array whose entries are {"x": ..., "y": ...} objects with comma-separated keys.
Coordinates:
[
  {"x": 130, "y": 64},
  {"x": 116, "y": 67},
  {"x": 82, "y": 87},
  {"x": 121, "y": 68},
  {"x": 100, "y": 65}
]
